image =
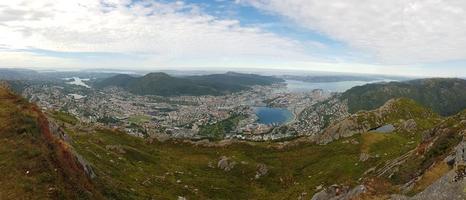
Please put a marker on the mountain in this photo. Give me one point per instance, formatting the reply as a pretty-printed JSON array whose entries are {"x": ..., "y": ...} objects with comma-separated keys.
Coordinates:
[
  {"x": 18, "y": 74},
  {"x": 445, "y": 96},
  {"x": 331, "y": 78},
  {"x": 165, "y": 85},
  {"x": 120, "y": 80}
]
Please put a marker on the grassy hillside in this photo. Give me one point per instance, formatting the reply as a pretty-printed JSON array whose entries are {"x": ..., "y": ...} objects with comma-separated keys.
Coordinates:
[
  {"x": 405, "y": 115},
  {"x": 165, "y": 85},
  {"x": 444, "y": 96},
  {"x": 35, "y": 164}
]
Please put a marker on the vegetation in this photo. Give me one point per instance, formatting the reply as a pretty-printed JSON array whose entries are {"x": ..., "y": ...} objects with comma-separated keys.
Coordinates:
[
  {"x": 64, "y": 117},
  {"x": 126, "y": 167},
  {"x": 220, "y": 129},
  {"x": 163, "y": 84},
  {"x": 444, "y": 96},
  {"x": 139, "y": 119},
  {"x": 35, "y": 165}
]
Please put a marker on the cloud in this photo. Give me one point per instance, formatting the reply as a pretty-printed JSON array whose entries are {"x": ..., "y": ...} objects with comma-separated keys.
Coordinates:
[
  {"x": 159, "y": 30},
  {"x": 394, "y": 31}
]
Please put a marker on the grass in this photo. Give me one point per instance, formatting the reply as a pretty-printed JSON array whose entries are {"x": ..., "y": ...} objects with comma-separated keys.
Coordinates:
[
  {"x": 33, "y": 165},
  {"x": 64, "y": 117},
  {"x": 220, "y": 129},
  {"x": 139, "y": 119},
  {"x": 171, "y": 169}
]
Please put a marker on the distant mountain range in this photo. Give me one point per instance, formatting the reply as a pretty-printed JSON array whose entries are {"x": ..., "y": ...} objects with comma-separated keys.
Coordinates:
[
  {"x": 446, "y": 96},
  {"x": 342, "y": 78},
  {"x": 165, "y": 85}
]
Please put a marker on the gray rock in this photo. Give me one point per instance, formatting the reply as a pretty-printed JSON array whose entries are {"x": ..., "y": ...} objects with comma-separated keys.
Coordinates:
[
  {"x": 364, "y": 156},
  {"x": 336, "y": 192},
  {"x": 262, "y": 170},
  {"x": 442, "y": 189},
  {"x": 409, "y": 125},
  {"x": 226, "y": 164}
]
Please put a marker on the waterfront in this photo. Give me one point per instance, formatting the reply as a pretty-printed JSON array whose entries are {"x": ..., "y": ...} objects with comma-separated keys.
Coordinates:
[{"x": 342, "y": 86}]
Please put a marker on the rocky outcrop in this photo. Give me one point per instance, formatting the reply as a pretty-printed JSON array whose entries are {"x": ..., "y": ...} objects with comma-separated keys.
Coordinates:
[
  {"x": 408, "y": 125},
  {"x": 64, "y": 140},
  {"x": 442, "y": 189},
  {"x": 226, "y": 164},
  {"x": 363, "y": 157},
  {"x": 394, "y": 110},
  {"x": 336, "y": 192},
  {"x": 262, "y": 170}
]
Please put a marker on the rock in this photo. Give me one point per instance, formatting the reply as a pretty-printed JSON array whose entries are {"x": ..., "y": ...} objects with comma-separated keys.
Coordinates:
[
  {"x": 364, "y": 156},
  {"x": 181, "y": 198},
  {"x": 226, "y": 164},
  {"x": 336, "y": 192},
  {"x": 85, "y": 165},
  {"x": 355, "y": 192},
  {"x": 354, "y": 141},
  {"x": 319, "y": 187},
  {"x": 442, "y": 189},
  {"x": 262, "y": 170},
  {"x": 450, "y": 160},
  {"x": 409, "y": 125}
]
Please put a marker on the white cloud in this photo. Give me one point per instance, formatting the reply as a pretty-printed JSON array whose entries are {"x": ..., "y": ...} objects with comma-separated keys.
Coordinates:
[
  {"x": 395, "y": 31},
  {"x": 163, "y": 31}
]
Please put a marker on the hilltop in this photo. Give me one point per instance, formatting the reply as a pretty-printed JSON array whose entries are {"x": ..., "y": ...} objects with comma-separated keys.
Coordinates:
[
  {"x": 445, "y": 96},
  {"x": 163, "y": 84}
]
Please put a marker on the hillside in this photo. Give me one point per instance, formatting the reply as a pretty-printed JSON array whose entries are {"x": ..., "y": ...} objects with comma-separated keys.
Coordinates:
[
  {"x": 79, "y": 161},
  {"x": 35, "y": 161},
  {"x": 404, "y": 115},
  {"x": 444, "y": 96},
  {"x": 165, "y": 85}
]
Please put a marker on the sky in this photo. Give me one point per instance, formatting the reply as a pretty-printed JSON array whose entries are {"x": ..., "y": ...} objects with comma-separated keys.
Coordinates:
[{"x": 397, "y": 37}]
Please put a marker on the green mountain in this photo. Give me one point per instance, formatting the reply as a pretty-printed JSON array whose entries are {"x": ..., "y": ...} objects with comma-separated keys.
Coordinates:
[
  {"x": 445, "y": 96},
  {"x": 165, "y": 85}
]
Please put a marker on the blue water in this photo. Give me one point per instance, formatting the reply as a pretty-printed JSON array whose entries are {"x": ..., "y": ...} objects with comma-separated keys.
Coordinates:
[
  {"x": 301, "y": 86},
  {"x": 276, "y": 116}
]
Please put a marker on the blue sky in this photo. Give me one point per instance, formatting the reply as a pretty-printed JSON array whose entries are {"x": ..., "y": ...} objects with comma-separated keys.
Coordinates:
[{"x": 424, "y": 38}]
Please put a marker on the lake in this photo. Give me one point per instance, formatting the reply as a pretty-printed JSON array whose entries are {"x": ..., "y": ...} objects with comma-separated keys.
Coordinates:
[
  {"x": 301, "y": 86},
  {"x": 275, "y": 116}
]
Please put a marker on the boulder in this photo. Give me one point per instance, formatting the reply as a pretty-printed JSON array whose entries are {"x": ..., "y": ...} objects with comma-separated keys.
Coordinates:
[
  {"x": 409, "y": 125},
  {"x": 262, "y": 170},
  {"x": 364, "y": 156},
  {"x": 226, "y": 164}
]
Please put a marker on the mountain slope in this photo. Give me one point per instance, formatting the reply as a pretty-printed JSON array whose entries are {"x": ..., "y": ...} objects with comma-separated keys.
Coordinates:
[
  {"x": 445, "y": 96},
  {"x": 403, "y": 114},
  {"x": 165, "y": 85},
  {"x": 36, "y": 163}
]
